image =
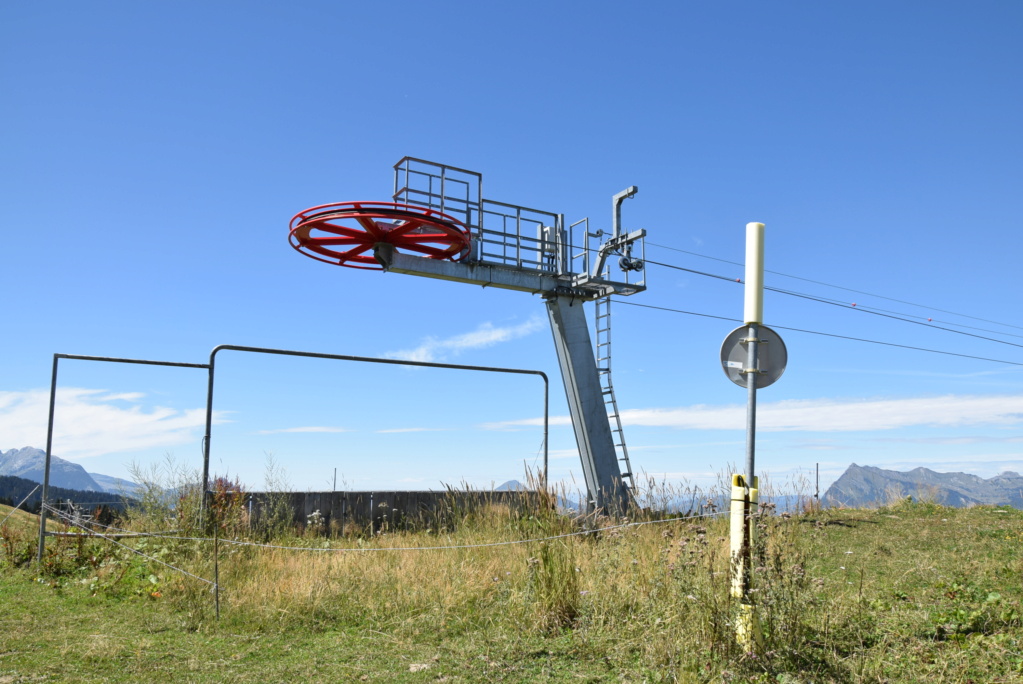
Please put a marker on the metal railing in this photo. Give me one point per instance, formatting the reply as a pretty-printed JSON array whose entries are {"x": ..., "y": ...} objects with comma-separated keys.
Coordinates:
[{"x": 504, "y": 234}]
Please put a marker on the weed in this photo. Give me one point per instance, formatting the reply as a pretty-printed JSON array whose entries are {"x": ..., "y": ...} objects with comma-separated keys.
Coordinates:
[
  {"x": 19, "y": 545},
  {"x": 913, "y": 592}
]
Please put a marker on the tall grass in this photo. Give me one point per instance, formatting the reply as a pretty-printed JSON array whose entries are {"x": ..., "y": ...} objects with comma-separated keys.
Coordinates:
[{"x": 835, "y": 591}]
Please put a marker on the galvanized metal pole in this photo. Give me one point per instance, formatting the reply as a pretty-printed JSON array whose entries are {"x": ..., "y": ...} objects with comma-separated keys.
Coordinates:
[
  {"x": 44, "y": 501},
  {"x": 817, "y": 491},
  {"x": 753, "y": 316},
  {"x": 206, "y": 439},
  {"x": 216, "y": 568},
  {"x": 752, "y": 365},
  {"x": 546, "y": 432}
]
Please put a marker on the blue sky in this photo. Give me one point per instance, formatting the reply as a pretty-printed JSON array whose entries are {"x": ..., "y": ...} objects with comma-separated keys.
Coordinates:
[{"x": 152, "y": 154}]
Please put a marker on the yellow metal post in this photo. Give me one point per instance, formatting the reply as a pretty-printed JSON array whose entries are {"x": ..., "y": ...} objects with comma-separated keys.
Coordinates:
[
  {"x": 743, "y": 506},
  {"x": 738, "y": 537}
]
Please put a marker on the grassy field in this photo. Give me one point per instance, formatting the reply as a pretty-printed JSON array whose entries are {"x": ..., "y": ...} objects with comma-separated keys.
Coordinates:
[{"x": 908, "y": 593}]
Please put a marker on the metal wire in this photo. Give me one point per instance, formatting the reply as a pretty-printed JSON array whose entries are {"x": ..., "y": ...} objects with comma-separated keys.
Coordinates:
[
  {"x": 67, "y": 519},
  {"x": 19, "y": 505},
  {"x": 817, "y": 332},
  {"x": 839, "y": 287},
  {"x": 514, "y": 542},
  {"x": 906, "y": 318}
]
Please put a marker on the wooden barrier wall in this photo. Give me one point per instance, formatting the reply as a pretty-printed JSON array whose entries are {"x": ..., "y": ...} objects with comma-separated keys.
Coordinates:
[{"x": 385, "y": 509}]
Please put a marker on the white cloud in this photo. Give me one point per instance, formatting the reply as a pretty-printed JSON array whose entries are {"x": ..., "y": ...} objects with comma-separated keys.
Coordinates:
[
  {"x": 955, "y": 441},
  {"x": 435, "y": 349},
  {"x": 694, "y": 445},
  {"x": 556, "y": 454},
  {"x": 685, "y": 476},
  {"x": 124, "y": 396},
  {"x": 820, "y": 446},
  {"x": 518, "y": 425},
  {"x": 414, "y": 429},
  {"x": 311, "y": 428},
  {"x": 824, "y": 415},
  {"x": 90, "y": 422}
]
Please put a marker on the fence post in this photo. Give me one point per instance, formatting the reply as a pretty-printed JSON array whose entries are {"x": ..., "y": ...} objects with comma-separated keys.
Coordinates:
[{"x": 744, "y": 502}]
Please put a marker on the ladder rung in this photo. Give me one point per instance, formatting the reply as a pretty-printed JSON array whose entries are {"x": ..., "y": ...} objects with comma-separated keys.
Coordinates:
[{"x": 602, "y": 349}]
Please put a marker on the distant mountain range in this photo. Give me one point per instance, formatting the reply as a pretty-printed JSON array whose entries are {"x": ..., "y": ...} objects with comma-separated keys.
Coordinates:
[
  {"x": 29, "y": 463},
  {"x": 865, "y": 486},
  {"x": 859, "y": 487}
]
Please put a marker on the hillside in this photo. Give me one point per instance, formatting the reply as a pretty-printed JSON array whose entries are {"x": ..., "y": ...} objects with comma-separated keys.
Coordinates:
[
  {"x": 20, "y": 519},
  {"x": 865, "y": 486},
  {"x": 14, "y": 489}
]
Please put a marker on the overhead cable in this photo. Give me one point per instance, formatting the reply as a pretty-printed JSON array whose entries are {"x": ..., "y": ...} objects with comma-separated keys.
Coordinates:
[
  {"x": 817, "y": 332},
  {"x": 888, "y": 315},
  {"x": 837, "y": 287},
  {"x": 833, "y": 302}
]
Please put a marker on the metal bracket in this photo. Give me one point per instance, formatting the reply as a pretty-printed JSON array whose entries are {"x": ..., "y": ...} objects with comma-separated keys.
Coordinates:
[
  {"x": 617, "y": 200},
  {"x": 617, "y": 241},
  {"x": 613, "y": 246}
]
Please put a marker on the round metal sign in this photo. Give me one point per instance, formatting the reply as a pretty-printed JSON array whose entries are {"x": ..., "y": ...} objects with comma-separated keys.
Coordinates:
[{"x": 772, "y": 357}]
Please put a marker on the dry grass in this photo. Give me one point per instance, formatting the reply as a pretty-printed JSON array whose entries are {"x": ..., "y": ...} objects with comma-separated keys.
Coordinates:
[{"x": 909, "y": 592}]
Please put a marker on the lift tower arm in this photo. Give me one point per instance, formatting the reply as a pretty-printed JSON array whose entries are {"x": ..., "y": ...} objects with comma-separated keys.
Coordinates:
[{"x": 440, "y": 226}]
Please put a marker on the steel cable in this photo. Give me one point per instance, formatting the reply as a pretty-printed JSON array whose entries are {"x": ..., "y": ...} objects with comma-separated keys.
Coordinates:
[
  {"x": 514, "y": 542},
  {"x": 817, "y": 332}
]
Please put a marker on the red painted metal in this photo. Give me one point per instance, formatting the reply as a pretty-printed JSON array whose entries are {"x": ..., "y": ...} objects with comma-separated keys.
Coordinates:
[{"x": 321, "y": 232}]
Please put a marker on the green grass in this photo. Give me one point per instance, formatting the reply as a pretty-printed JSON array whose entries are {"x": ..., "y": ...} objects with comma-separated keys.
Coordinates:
[
  {"x": 907, "y": 593},
  {"x": 18, "y": 517}
]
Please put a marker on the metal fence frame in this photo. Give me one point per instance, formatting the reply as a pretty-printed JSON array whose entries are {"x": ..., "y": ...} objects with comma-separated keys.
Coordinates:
[
  {"x": 211, "y": 369},
  {"x": 362, "y": 359},
  {"x": 49, "y": 427}
]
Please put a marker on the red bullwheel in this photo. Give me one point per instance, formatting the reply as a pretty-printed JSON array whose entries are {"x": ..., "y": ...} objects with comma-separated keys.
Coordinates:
[{"x": 346, "y": 232}]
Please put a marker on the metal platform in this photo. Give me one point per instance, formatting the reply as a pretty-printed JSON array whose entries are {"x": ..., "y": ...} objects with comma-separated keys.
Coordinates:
[{"x": 513, "y": 247}]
